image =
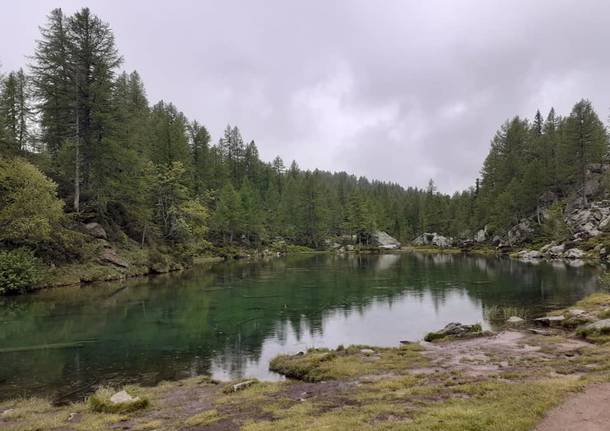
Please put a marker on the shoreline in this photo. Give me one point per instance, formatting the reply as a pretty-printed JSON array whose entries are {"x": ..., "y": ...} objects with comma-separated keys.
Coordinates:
[{"x": 81, "y": 274}]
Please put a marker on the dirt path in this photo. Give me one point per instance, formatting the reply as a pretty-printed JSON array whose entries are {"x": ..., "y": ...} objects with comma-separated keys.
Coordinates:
[{"x": 587, "y": 411}]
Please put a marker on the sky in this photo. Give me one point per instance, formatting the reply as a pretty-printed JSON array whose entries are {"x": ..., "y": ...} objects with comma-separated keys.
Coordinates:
[{"x": 402, "y": 91}]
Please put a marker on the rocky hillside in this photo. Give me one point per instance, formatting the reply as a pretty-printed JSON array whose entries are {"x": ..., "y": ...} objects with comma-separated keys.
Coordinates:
[{"x": 572, "y": 227}]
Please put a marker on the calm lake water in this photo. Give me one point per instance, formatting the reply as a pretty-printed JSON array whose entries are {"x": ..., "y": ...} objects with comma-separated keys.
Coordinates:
[{"x": 231, "y": 319}]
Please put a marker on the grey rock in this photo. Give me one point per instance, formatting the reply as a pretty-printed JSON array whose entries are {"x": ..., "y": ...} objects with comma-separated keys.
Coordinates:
[
  {"x": 520, "y": 233},
  {"x": 122, "y": 397},
  {"x": 550, "y": 320},
  {"x": 110, "y": 256},
  {"x": 515, "y": 320},
  {"x": 96, "y": 230},
  {"x": 576, "y": 311},
  {"x": 434, "y": 239},
  {"x": 604, "y": 225},
  {"x": 599, "y": 326},
  {"x": 367, "y": 351},
  {"x": 555, "y": 251},
  {"x": 242, "y": 385},
  {"x": 529, "y": 255},
  {"x": 574, "y": 253},
  {"x": 454, "y": 329},
  {"x": 384, "y": 241},
  {"x": 481, "y": 235}
]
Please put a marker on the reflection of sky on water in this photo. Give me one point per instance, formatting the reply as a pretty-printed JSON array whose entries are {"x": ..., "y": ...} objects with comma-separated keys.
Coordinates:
[{"x": 380, "y": 323}]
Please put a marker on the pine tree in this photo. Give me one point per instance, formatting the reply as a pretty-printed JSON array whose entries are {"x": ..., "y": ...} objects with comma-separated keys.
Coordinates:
[
  {"x": 200, "y": 153},
  {"x": 53, "y": 83},
  {"x": 15, "y": 112},
  {"x": 586, "y": 142},
  {"x": 93, "y": 59}
]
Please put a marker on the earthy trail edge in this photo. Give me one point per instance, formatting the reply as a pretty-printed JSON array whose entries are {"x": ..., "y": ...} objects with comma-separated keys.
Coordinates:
[{"x": 587, "y": 411}]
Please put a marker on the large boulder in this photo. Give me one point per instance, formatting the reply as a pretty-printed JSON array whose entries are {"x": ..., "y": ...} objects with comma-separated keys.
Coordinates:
[
  {"x": 529, "y": 255},
  {"x": 96, "y": 230},
  {"x": 455, "y": 330},
  {"x": 110, "y": 256},
  {"x": 434, "y": 239},
  {"x": 382, "y": 240},
  {"x": 520, "y": 233},
  {"x": 574, "y": 253},
  {"x": 481, "y": 235}
]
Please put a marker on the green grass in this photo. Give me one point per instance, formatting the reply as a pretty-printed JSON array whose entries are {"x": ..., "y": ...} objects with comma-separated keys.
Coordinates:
[
  {"x": 324, "y": 364},
  {"x": 100, "y": 402}
]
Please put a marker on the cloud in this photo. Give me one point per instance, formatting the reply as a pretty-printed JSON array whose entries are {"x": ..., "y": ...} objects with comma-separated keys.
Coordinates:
[{"x": 398, "y": 90}]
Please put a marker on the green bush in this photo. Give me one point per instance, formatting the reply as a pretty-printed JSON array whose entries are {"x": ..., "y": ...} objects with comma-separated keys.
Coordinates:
[
  {"x": 29, "y": 207},
  {"x": 19, "y": 271}
]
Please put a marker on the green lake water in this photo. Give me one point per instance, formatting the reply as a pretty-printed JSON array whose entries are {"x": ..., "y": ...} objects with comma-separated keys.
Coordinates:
[{"x": 230, "y": 319}]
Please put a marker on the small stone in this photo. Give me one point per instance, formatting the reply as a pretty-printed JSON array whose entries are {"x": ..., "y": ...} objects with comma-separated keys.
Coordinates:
[
  {"x": 122, "y": 397},
  {"x": 515, "y": 320},
  {"x": 367, "y": 351},
  {"x": 242, "y": 385}
]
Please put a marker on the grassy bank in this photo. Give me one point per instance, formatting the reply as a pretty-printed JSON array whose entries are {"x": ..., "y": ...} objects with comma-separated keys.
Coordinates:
[{"x": 502, "y": 382}]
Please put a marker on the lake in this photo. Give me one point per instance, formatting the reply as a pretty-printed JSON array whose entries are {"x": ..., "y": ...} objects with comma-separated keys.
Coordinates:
[{"x": 230, "y": 319}]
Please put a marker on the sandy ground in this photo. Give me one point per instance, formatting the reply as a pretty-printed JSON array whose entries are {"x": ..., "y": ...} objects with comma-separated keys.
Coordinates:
[{"x": 587, "y": 411}]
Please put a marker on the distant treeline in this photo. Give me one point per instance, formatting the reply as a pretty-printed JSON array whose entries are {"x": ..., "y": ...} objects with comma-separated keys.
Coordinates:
[{"x": 152, "y": 176}]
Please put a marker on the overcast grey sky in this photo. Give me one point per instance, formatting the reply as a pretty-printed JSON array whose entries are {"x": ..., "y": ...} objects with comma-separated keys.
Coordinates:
[{"x": 395, "y": 90}]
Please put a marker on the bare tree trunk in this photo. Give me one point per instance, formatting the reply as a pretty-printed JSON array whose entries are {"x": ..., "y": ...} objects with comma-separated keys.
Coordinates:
[
  {"x": 77, "y": 167},
  {"x": 76, "y": 151}
]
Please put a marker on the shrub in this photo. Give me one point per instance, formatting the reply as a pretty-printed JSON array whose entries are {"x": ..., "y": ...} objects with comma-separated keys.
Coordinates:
[
  {"x": 29, "y": 207},
  {"x": 19, "y": 271}
]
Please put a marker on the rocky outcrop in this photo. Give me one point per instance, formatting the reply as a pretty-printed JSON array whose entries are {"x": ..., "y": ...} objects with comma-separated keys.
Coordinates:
[
  {"x": 592, "y": 221},
  {"x": 384, "y": 241},
  {"x": 434, "y": 239},
  {"x": 520, "y": 233}
]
